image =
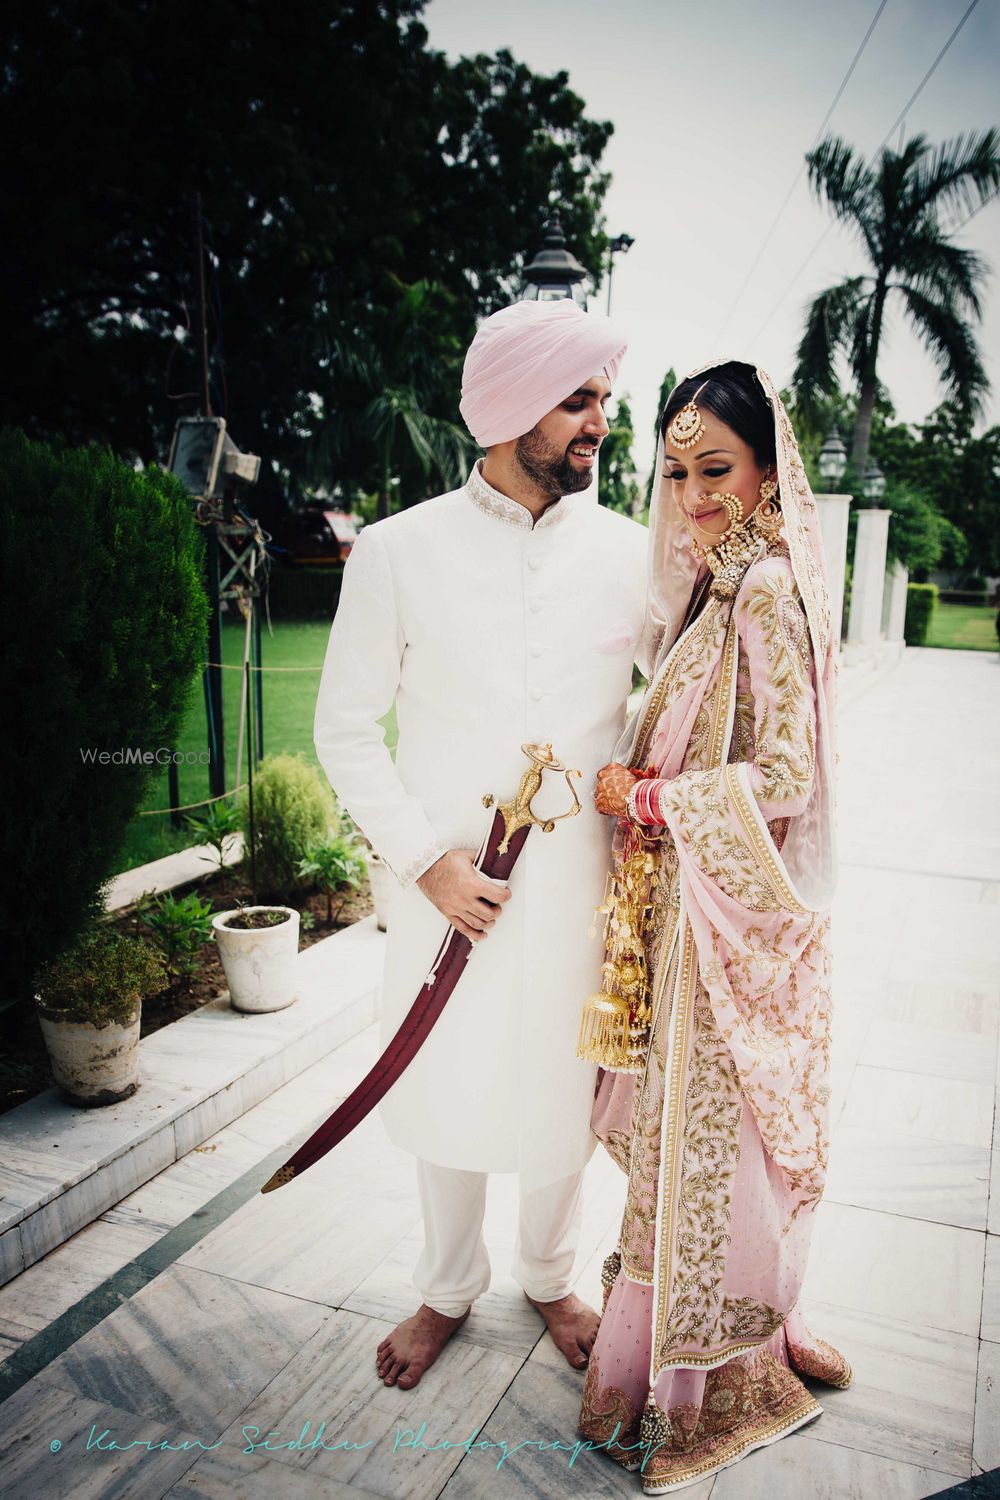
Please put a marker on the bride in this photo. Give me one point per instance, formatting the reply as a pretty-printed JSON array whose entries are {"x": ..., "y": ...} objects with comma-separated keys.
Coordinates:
[{"x": 713, "y": 1027}]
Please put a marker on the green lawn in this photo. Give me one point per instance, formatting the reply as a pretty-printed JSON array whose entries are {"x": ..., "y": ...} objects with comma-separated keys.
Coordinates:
[
  {"x": 290, "y": 700},
  {"x": 289, "y": 704},
  {"x": 963, "y": 627}
]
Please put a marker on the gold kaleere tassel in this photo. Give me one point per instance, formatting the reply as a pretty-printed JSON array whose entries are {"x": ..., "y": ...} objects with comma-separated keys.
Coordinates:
[
  {"x": 614, "y": 1026},
  {"x": 604, "y": 1031},
  {"x": 604, "y": 1024}
]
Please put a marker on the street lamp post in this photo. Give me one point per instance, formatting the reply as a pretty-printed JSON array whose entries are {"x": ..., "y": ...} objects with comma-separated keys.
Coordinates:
[
  {"x": 620, "y": 245},
  {"x": 868, "y": 581},
  {"x": 833, "y": 458},
  {"x": 834, "y": 515},
  {"x": 555, "y": 271},
  {"x": 873, "y": 483}
]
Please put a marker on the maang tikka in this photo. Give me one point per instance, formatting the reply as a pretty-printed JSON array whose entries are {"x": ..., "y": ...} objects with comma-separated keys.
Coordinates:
[{"x": 687, "y": 427}]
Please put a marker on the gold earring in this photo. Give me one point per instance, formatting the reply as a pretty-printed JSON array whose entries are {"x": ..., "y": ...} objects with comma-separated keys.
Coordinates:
[{"x": 767, "y": 516}]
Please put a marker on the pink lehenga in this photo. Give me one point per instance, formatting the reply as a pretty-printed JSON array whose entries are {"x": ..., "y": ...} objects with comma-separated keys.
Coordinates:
[{"x": 718, "y": 1116}]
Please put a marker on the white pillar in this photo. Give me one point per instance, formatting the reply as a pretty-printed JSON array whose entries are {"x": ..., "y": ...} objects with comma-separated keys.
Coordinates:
[
  {"x": 834, "y": 511},
  {"x": 864, "y": 630},
  {"x": 894, "y": 611}
]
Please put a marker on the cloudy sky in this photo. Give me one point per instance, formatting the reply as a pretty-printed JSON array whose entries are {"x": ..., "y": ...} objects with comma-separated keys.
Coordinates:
[{"x": 713, "y": 106}]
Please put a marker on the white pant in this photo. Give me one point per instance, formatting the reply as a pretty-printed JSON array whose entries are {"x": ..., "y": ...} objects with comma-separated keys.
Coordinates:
[{"x": 454, "y": 1268}]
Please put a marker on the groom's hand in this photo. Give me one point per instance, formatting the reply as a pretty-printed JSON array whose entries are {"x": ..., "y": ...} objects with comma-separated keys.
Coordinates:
[{"x": 469, "y": 900}]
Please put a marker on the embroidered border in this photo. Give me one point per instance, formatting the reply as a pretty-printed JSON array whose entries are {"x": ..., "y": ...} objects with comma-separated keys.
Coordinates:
[
  {"x": 666, "y": 969},
  {"x": 753, "y": 1435},
  {"x": 492, "y": 503},
  {"x": 749, "y": 814},
  {"x": 671, "y": 1136},
  {"x": 674, "y": 666},
  {"x": 423, "y": 861},
  {"x": 725, "y": 701}
]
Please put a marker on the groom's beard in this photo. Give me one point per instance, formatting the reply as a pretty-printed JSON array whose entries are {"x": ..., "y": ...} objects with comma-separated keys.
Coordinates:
[{"x": 549, "y": 468}]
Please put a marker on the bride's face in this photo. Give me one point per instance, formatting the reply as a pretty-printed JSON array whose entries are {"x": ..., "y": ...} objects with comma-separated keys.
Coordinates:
[{"x": 719, "y": 463}]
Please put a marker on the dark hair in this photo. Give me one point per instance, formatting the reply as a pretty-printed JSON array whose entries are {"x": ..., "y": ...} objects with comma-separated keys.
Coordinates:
[{"x": 732, "y": 393}]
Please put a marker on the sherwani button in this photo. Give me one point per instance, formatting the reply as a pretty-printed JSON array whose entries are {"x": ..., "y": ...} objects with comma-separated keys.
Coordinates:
[
  {"x": 534, "y": 605},
  {"x": 536, "y": 693},
  {"x": 534, "y": 562},
  {"x": 536, "y": 650}
]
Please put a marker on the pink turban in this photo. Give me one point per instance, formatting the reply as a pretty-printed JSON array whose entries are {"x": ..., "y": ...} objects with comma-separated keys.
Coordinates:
[{"x": 527, "y": 358}]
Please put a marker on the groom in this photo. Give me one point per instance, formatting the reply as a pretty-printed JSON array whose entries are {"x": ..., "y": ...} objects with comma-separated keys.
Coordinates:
[{"x": 509, "y": 610}]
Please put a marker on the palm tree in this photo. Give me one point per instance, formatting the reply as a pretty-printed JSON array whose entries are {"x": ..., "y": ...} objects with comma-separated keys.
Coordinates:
[
  {"x": 896, "y": 205},
  {"x": 389, "y": 383}
]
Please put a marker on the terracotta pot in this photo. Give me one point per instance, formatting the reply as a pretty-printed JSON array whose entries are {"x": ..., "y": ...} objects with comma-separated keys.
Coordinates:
[
  {"x": 94, "y": 1064},
  {"x": 260, "y": 962}
]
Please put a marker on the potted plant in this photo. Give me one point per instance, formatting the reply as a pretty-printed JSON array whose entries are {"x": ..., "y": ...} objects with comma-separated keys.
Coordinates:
[
  {"x": 258, "y": 947},
  {"x": 89, "y": 1007},
  {"x": 382, "y": 883}
]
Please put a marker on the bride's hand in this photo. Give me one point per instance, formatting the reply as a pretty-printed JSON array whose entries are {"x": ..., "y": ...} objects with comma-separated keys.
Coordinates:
[{"x": 614, "y": 782}]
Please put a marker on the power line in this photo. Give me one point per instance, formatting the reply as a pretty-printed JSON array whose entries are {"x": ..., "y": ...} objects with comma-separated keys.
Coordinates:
[
  {"x": 926, "y": 78},
  {"x": 912, "y": 99},
  {"x": 798, "y": 176},
  {"x": 977, "y": 210},
  {"x": 790, "y": 284}
]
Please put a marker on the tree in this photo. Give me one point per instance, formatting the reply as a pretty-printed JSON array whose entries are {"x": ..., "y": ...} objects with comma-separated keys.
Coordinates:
[
  {"x": 666, "y": 386},
  {"x": 334, "y": 156},
  {"x": 958, "y": 473},
  {"x": 619, "y": 489},
  {"x": 920, "y": 537},
  {"x": 104, "y": 616},
  {"x": 896, "y": 206},
  {"x": 390, "y": 385},
  {"x": 815, "y": 419}
]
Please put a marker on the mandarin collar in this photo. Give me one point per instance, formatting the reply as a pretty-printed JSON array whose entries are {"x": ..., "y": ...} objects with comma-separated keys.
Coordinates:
[{"x": 492, "y": 503}]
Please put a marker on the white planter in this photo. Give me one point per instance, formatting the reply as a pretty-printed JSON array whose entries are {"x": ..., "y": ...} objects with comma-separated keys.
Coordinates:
[
  {"x": 260, "y": 962},
  {"x": 382, "y": 882},
  {"x": 94, "y": 1064}
]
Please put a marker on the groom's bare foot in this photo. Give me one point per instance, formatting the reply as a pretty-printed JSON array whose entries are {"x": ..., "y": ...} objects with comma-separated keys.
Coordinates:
[
  {"x": 573, "y": 1326},
  {"x": 412, "y": 1348}
]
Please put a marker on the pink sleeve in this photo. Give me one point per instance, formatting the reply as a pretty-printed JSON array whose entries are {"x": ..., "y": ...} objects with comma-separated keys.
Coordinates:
[{"x": 775, "y": 635}]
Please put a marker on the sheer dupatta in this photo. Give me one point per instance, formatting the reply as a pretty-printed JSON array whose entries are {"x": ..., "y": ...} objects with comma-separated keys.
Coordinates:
[{"x": 723, "y": 1134}]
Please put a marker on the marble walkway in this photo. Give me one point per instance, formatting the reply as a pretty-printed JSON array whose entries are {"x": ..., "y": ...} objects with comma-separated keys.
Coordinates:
[{"x": 198, "y": 1319}]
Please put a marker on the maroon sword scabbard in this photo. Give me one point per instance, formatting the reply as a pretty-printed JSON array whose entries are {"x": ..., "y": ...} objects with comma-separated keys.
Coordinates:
[{"x": 512, "y": 822}]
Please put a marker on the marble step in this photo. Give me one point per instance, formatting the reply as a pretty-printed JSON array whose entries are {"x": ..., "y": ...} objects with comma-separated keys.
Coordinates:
[
  {"x": 62, "y": 1166},
  {"x": 187, "y": 865}
]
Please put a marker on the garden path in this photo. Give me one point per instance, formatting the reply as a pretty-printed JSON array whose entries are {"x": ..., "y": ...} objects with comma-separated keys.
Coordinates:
[{"x": 197, "y": 1308}]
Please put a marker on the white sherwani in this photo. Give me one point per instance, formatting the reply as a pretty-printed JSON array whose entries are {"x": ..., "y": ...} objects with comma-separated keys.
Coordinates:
[{"x": 487, "y": 631}]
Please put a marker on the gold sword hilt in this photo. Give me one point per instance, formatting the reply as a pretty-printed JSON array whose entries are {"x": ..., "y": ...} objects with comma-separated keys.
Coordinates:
[{"x": 518, "y": 813}]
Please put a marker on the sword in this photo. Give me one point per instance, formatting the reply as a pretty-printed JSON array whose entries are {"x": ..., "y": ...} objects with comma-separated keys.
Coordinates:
[{"x": 512, "y": 822}]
